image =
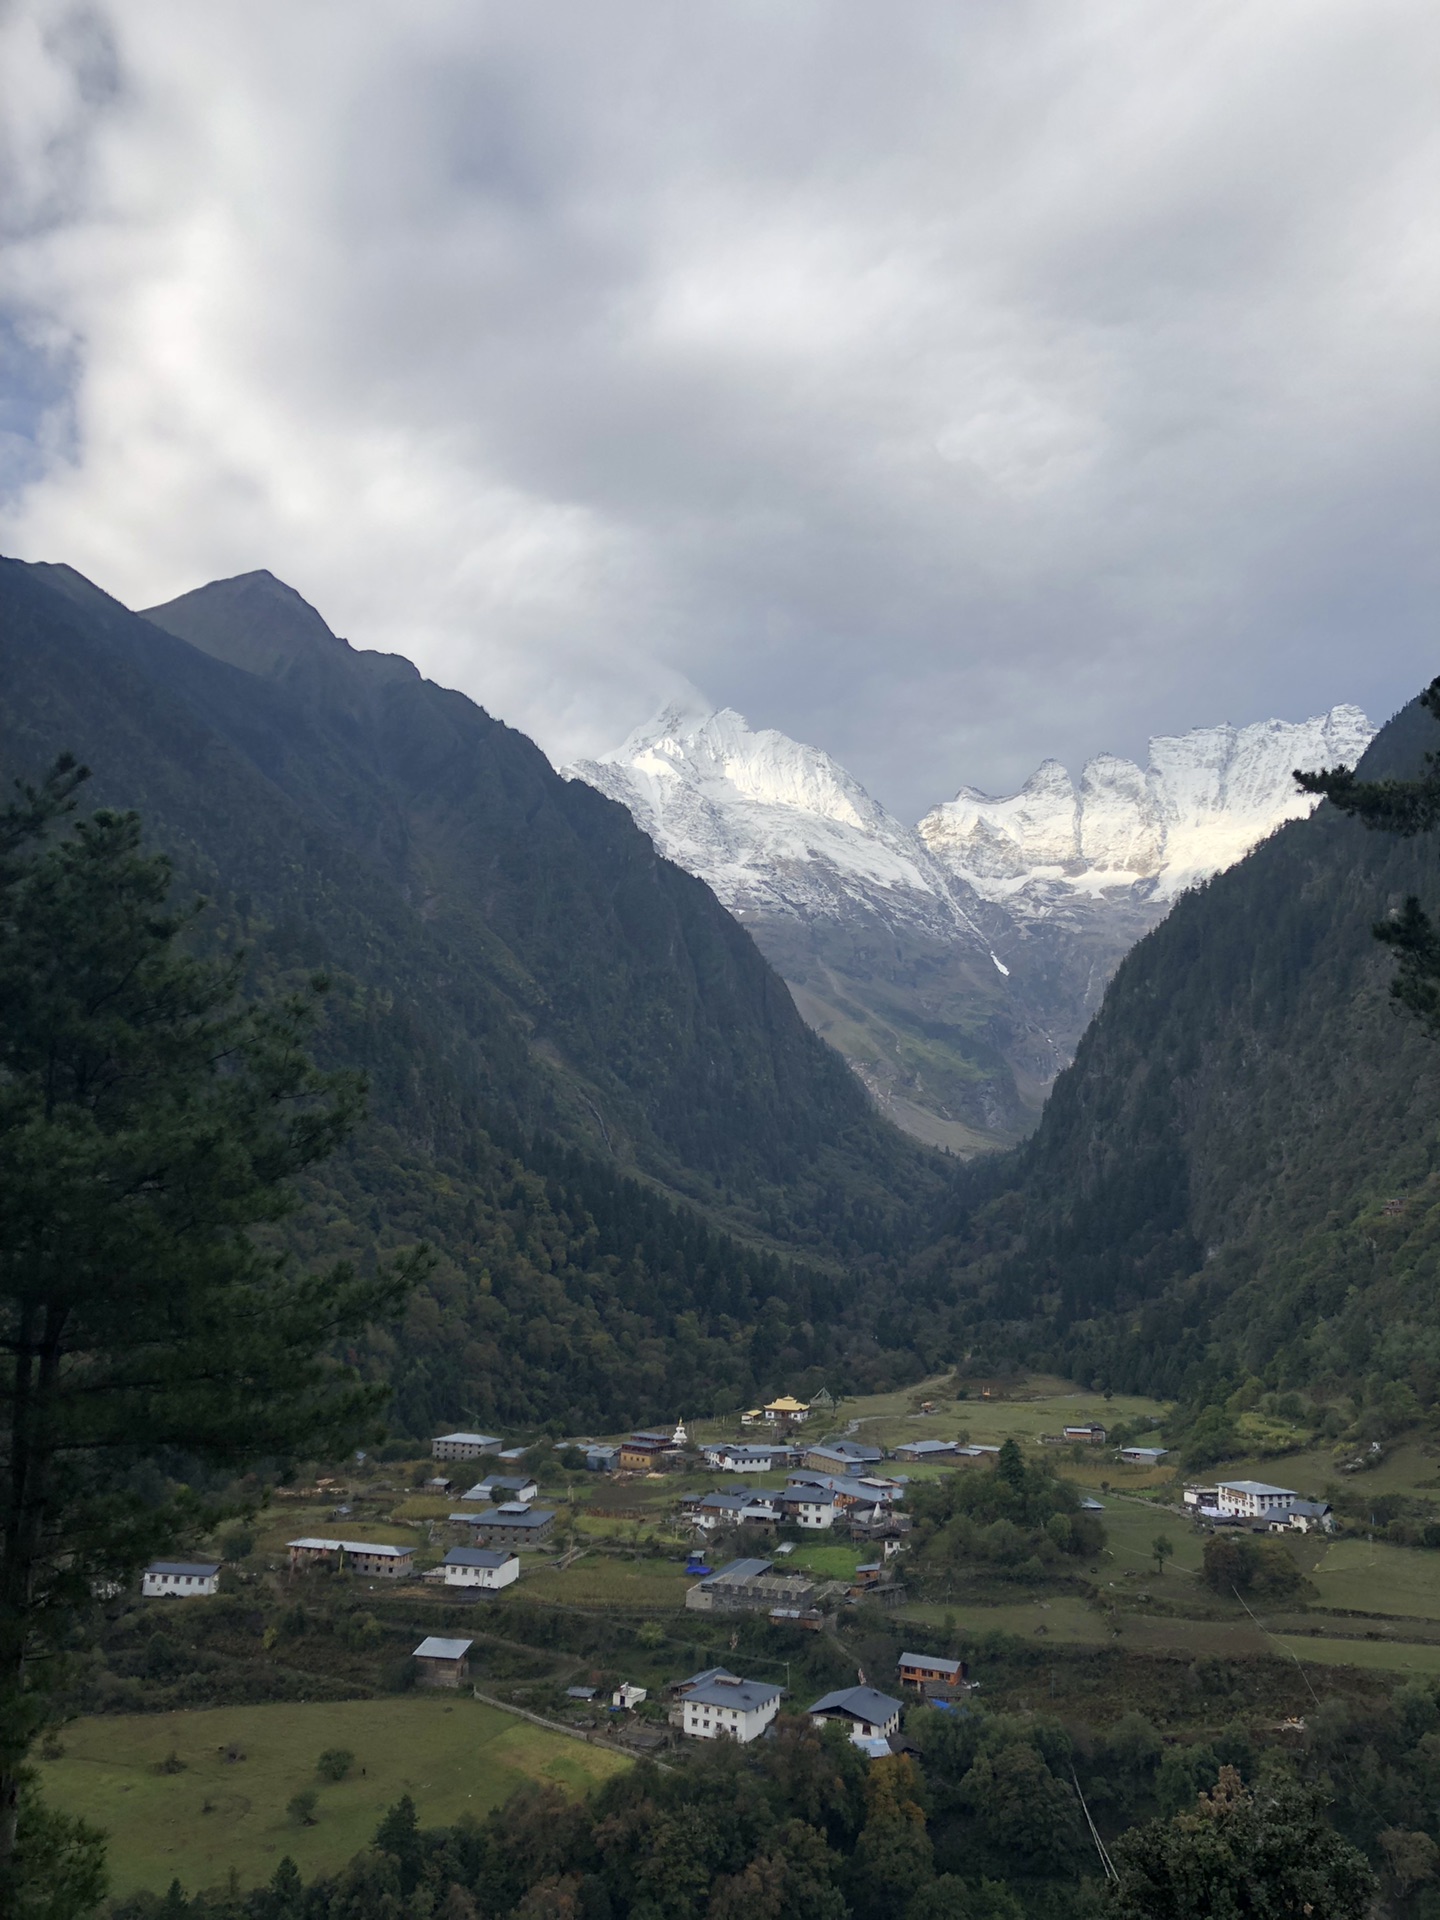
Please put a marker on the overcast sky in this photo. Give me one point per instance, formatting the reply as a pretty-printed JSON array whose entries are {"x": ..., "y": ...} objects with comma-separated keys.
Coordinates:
[{"x": 950, "y": 384}]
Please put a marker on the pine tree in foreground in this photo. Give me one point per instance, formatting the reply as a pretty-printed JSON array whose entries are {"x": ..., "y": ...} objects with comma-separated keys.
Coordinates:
[{"x": 151, "y": 1121}]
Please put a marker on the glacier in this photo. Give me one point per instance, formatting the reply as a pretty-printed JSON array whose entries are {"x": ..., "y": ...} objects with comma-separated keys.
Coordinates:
[{"x": 956, "y": 962}]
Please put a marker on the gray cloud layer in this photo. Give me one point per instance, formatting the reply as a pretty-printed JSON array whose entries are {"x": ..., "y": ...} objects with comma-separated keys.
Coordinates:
[{"x": 947, "y": 385}]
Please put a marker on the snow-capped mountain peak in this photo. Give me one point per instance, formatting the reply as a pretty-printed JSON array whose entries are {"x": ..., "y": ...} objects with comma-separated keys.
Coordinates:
[
  {"x": 767, "y": 821},
  {"x": 956, "y": 964},
  {"x": 1205, "y": 798}
]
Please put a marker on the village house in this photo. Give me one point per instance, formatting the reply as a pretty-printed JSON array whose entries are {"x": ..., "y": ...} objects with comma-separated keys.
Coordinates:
[
  {"x": 464, "y": 1446},
  {"x": 733, "y": 1456},
  {"x": 1303, "y": 1516},
  {"x": 442, "y": 1663},
  {"x": 914, "y": 1450},
  {"x": 601, "y": 1459},
  {"x": 877, "y": 1523},
  {"x": 1090, "y": 1435},
  {"x": 728, "y": 1708},
  {"x": 180, "y": 1579},
  {"x": 922, "y": 1670},
  {"x": 742, "y": 1508},
  {"x": 642, "y": 1452},
  {"x": 811, "y": 1506},
  {"x": 496, "y": 1488},
  {"x": 842, "y": 1456},
  {"x": 846, "y": 1490},
  {"x": 357, "y": 1556},
  {"x": 511, "y": 1525},
  {"x": 488, "y": 1567},
  {"x": 748, "y": 1586},
  {"x": 1253, "y": 1499},
  {"x": 1142, "y": 1456},
  {"x": 867, "y": 1715},
  {"x": 786, "y": 1412}
]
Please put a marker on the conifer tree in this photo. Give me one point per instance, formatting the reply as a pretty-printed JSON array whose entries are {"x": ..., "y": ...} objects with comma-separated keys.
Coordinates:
[
  {"x": 151, "y": 1121},
  {"x": 1407, "y": 808}
]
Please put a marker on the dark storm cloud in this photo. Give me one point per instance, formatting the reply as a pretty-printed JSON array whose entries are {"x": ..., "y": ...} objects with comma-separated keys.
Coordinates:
[{"x": 949, "y": 386}]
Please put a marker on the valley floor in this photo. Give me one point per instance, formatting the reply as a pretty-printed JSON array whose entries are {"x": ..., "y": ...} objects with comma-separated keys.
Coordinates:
[{"x": 313, "y": 1653}]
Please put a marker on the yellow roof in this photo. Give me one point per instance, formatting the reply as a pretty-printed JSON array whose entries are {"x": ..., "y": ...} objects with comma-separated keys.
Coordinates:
[{"x": 786, "y": 1405}]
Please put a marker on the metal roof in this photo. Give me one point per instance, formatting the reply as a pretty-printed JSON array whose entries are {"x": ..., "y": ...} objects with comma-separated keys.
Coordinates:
[
  {"x": 433, "y": 1649},
  {"x": 317, "y": 1545},
  {"x": 744, "y": 1695},
  {"x": 931, "y": 1660},
  {"x": 521, "y": 1517},
  {"x": 202, "y": 1568},
  {"x": 477, "y": 1557},
  {"x": 1257, "y": 1486},
  {"x": 704, "y": 1677},
  {"x": 473, "y": 1439},
  {"x": 738, "y": 1571},
  {"x": 858, "y": 1703}
]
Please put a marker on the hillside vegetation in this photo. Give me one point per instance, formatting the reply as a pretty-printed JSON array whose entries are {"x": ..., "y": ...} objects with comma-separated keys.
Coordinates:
[
  {"x": 646, "y": 1180},
  {"x": 1238, "y": 1179}
]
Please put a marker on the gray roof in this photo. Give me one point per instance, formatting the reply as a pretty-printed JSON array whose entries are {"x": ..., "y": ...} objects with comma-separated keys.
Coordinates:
[
  {"x": 477, "y": 1557},
  {"x": 197, "y": 1568},
  {"x": 474, "y": 1439},
  {"x": 1257, "y": 1486},
  {"x": 738, "y": 1571},
  {"x": 929, "y": 1660},
  {"x": 520, "y": 1518},
  {"x": 744, "y": 1695},
  {"x": 316, "y": 1544},
  {"x": 1309, "y": 1509},
  {"x": 927, "y": 1446},
  {"x": 704, "y": 1677},
  {"x": 858, "y": 1703},
  {"x": 433, "y": 1649}
]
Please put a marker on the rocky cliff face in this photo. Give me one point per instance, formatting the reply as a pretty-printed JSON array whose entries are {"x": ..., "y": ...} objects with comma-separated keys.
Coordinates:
[{"x": 955, "y": 964}]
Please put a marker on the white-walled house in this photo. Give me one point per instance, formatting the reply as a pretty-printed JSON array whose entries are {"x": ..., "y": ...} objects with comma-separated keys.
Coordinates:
[
  {"x": 180, "y": 1579},
  {"x": 868, "y": 1714},
  {"x": 729, "y": 1708},
  {"x": 487, "y": 1567},
  {"x": 811, "y": 1506},
  {"x": 1253, "y": 1499}
]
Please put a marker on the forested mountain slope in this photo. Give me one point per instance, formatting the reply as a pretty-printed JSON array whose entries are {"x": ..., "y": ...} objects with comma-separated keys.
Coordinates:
[
  {"x": 554, "y": 1019},
  {"x": 1241, "y": 1170}
]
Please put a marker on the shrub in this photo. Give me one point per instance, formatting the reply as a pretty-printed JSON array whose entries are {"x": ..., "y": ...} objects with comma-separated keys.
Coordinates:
[
  {"x": 301, "y": 1808},
  {"x": 334, "y": 1763}
]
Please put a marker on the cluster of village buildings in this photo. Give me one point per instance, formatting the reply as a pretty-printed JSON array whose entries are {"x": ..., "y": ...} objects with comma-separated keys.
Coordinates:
[
  {"x": 717, "y": 1704},
  {"x": 835, "y": 1483}
]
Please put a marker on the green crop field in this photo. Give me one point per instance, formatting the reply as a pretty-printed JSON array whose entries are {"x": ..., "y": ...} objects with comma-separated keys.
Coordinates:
[
  {"x": 603, "y": 1580},
  {"x": 831, "y": 1562},
  {"x": 452, "y": 1755}
]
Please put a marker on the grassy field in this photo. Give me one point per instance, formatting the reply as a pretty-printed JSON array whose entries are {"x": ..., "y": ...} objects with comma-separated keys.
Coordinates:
[
  {"x": 1370, "y": 1577},
  {"x": 452, "y": 1755},
  {"x": 832, "y": 1561},
  {"x": 602, "y": 1580}
]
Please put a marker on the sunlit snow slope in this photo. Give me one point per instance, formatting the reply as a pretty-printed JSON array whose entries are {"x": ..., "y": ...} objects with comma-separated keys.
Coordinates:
[{"x": 956, "y": 964}]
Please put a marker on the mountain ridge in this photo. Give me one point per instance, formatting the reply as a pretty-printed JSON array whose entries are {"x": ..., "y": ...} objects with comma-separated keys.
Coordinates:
[{"x": 956, "y": 963}]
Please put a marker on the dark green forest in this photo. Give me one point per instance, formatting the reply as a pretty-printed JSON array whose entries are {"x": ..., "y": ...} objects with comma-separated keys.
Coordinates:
[
  {"x": 646, "y": 1181},
  {"x": 1240, "y": 1174}
]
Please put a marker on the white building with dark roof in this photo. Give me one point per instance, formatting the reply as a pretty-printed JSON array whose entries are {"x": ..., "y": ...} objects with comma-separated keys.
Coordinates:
[
  {"x": 487, "y": 1567},
  {"x": 1253, "y": 1499},
  {"x": 180, "y": 1579},
  {"x": 868, "y": 1714},
  {"x": 722, "y": 1707}
]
